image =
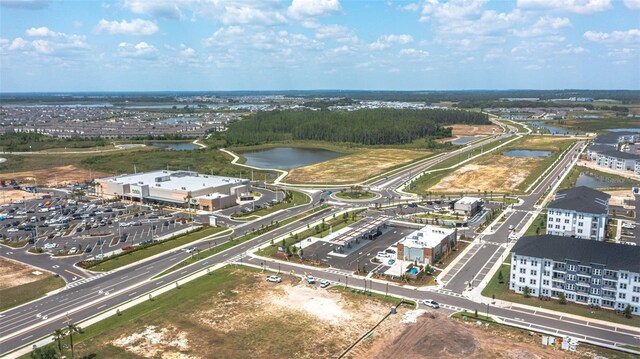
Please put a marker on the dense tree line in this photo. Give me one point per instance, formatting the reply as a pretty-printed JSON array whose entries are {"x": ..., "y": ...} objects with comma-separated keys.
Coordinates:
[{"x": 368, "y": 127}]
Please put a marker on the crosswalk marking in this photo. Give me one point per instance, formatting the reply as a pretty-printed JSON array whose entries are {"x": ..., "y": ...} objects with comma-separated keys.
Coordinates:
[{"x": 85, "y": 280}]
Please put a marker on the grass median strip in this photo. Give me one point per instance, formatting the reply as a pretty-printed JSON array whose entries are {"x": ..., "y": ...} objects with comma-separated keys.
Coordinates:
[
  {"x": 146, "y": 251},
  {"x": 292, "y": 199},
  {"x": 29, "y": 291},
  {"x": 217, "y": 248}
]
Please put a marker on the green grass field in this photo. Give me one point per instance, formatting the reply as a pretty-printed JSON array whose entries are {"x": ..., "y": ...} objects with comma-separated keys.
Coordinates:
[
  {"x": 357, "y": 195},
  {"x": 10, "y": 297},
  {"x": 143, "y": 252},
  {"x": 296, "y": 199}
]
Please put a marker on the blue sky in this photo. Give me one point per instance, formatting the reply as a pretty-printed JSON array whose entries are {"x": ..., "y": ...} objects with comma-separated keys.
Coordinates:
[{"x": 156, "y": 45}]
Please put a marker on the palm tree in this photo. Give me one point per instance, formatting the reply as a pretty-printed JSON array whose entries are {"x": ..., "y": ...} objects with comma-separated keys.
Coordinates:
[
  {"x": 72, "y": 328},
  {"x": 58, "y": 334}
]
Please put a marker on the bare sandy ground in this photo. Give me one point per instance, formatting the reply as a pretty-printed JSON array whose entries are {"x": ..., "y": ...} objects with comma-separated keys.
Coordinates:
[
  {"x": 13, "y": 274},
  {"x": 353, "y": 168},
  {"x": 434, "y": 335},
  {"x": 49, "y": 177},
  {"x": 473, "y": 130},
  {"x": 501, "y": 174}
]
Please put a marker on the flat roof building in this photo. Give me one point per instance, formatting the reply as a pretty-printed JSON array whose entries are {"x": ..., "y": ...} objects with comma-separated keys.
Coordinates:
[
  {"x": 427, "y": 244},
  {"x": 176, "y": 188},
  {"x": 467, "y": 206}
]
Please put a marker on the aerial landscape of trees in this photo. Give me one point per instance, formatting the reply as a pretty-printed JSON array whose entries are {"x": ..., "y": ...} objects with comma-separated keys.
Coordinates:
[{"x": 367, "y": 127}]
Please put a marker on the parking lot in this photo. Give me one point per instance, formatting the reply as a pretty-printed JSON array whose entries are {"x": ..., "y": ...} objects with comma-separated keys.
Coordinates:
[
  {"x": 64, "y": 226},
  {"x": 363, "y": 256}
]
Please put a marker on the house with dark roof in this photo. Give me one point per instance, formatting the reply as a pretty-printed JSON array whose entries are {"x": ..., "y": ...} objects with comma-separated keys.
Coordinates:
[
  {"x": 579, "y": 212},
  {"x": 605, "y": 151},
  {"x": 586, "y": 272}
]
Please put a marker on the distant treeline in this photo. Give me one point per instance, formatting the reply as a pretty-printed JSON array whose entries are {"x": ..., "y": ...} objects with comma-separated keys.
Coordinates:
[{"x": 367, "y": 127}]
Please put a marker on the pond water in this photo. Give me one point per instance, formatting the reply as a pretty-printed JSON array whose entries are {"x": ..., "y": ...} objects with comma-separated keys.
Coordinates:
[
  {"x": 176, "y": 146},
  {"x": 553, "y": 130},
  {"x": 288, "y": 157},
  {"x": 593, "y": 181},
  {"x": 527, "y": 153},
  {"x": 463, "y": 140}
]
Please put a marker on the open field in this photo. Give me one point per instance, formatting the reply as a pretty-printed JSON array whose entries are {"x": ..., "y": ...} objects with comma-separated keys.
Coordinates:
[
  {"x": 77, "y": 167},
  {"x": 503, "y": 174},
  {"x": 502, "y": 292},
  {"x": 20, "y": 283},
  {"x": 10, "y": 195},
  {"x": 608, "y": 121},
  {"x": 234, "y": 313},
  {"x": 354, "y": 168},
  {"x": 473, "y": 130},
  {"x": 296, "y": 199},
  {"x": 434, "y": 335}
]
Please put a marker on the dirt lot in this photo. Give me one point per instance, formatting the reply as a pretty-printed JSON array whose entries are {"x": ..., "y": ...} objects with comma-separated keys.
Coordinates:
[
  {"x": 353, "y": 168},
  {"x": 494, "y": 173},
  {"x": 471, "y": 130},
  {"x": 245, "y": 317},
  {"x": 435, "y": 335},
  {"x": 13, "y": 274},
  {"x": 11, "y": 195},
  {"x": 49, "y": 176}
]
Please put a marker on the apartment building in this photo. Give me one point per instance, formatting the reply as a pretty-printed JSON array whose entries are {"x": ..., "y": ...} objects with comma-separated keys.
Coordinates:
[
  {"x": 587, "y": 272},
  {"x": 579, "y": 212}
]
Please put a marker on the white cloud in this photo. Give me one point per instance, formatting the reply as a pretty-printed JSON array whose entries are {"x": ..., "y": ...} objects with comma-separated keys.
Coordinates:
[
  {"x": 632, "y": 4},
  {"x": 124, "y": 27},
  {"x": 631, "y": 35},
  {"x": 188, "y": 53},
  {"x": 454, "y": 9},
  {"x": 141, "y": 50},
  {"x": 573, "y": 50},
  {"x": 50, "y": 42},
  {"x": 414, "y": 53},
  {"x": 544, "y": 26},
  {"x": 533, "y": 67},
  {"x": 335, "y": 32},
  {"x": 574, "y": 6},
  {"x": 160, "y": 8},
  {"x": 224, "y": 36},
  {"x": 411, "y": 7},
  {"x": 41, "y": 32},
  {"x": 386, "y": 41},
  {"x": 241, "y": 14},
  {"x": 18, "y": 44},
  {"x": 311, "y": 8}
]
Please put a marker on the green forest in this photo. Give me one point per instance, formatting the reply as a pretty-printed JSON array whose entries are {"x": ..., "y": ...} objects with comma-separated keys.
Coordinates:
[{"x": 367, "y": 127}]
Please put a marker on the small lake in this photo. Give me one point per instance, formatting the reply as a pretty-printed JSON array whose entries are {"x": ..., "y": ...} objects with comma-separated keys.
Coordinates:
[
  {"x": 288, "y": 157},
  {"x": 463, "y": 140},
  {"x": 593, "y": 181},
  {"x": 527, "y": 153},
  {"x": 552, "y": 130},
  {"x": 176, "y": 146}
]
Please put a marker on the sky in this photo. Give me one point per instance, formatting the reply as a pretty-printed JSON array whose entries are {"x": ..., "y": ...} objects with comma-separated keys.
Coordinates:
[{"x": 209, "y": 45}]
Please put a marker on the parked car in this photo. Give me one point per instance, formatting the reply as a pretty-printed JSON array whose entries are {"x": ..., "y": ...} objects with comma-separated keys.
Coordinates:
[
  {"x": 430, "y": 303},
  {"x": 324, "y": 283},
  {"x": 274, "y": 279},
  {"x": 310, "y": 279}
]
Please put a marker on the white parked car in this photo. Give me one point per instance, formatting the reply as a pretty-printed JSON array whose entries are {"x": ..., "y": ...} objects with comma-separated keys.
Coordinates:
[
  {"x": 310, "y": 279},
  {"x": 274, "y": 279},
  {"x": 513, "y": 237},
  {"x": 324, "y": 283},
  {"x": 12, "y": 230},
  {"x": 430, "y": 303}
]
